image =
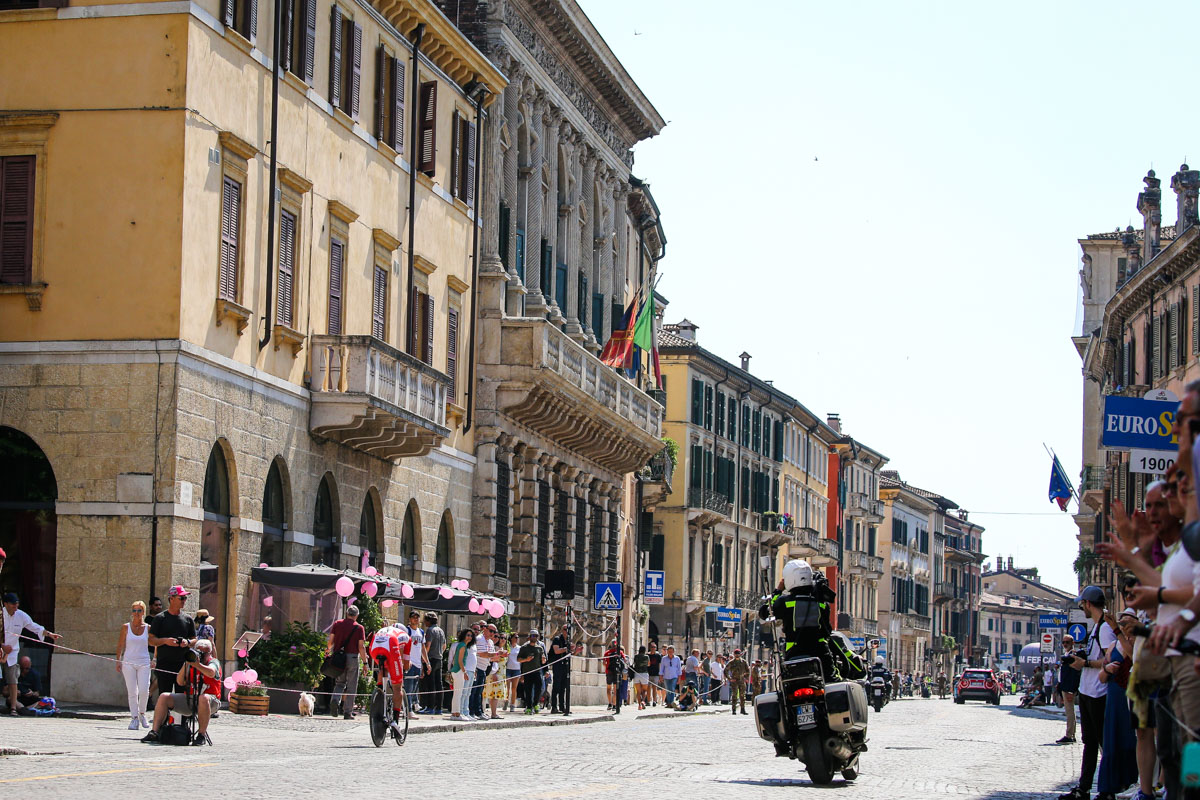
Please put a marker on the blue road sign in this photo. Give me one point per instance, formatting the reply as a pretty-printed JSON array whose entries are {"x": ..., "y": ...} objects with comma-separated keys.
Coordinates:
[
  {"x": 1078, "y": 632},
  {"x": 609, "y": 596},
  {"x": 652, "y": 590},
  {"x": 882, "y": 649},
  {"x": 1052, "y": 620},
  {"x": 731, "y": 616},
  {"x": 859, "y": 643}
]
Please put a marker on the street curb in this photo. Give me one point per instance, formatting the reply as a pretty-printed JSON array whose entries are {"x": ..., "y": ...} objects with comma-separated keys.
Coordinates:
[
  {"x": 681, "y": 714},
  {"x": 86, "y": 715},
  {"x": 490, "y": 725}
]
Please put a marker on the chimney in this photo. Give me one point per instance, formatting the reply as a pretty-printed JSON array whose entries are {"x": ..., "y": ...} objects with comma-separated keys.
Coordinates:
[
  {"x": 834, "y": 421},
  {"x": 1186, "y": 184},
  {"x": 1149, "y": 205},
  {"x": 745, "y": 357},
  {"x": 686, "y": 329}
]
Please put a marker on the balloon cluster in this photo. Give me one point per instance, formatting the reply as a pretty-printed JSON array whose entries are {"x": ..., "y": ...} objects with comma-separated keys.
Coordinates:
[{"x": 241, "y": 676}]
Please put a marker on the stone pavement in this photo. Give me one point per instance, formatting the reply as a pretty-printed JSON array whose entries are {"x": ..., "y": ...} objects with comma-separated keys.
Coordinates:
[{"x": 918, "y": 748}]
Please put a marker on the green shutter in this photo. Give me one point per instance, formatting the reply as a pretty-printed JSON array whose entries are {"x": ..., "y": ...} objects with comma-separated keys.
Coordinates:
[{"x": 697, "y": 402}]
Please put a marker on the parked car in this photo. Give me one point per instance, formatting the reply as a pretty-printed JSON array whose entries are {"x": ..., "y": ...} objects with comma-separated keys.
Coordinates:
[{"x": 977, "y": 684}]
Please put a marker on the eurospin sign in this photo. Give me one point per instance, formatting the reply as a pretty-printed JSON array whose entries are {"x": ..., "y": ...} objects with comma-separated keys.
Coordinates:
[{"x": 1139, "y": 423}]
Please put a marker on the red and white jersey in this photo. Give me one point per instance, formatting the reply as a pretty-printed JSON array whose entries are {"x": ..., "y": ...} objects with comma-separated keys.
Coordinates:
[{"x": 392, "y": 640}]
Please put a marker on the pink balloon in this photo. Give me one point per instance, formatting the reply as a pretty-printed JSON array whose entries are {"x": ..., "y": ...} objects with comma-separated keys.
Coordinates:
[
  {"x": 344, "y": 586},
  {"x": 371, "y": 571},
  {"x": 239, "y": 676},
  {"x": 243, "y": 653},
  {"x": 446, "y": 592},
  {"x": 230, "y": 683},
  {"x": 473, "y": 605},
  {"x": 251, "y": 675},
  {"x": 263, "y": 564},
  {"x": 370, "y": 590},
  {"x": 268, "y": 601},
  {"x": 458, "y": 584},
  {"x": 388, "y": 603},
  {"x": 408, "y": 592},
  {"x": 464, "y": 584},
  {"x": 497, "y": 610}
]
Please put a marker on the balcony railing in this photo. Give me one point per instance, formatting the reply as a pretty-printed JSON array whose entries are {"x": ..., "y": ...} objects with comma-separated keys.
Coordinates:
[
  {"x": 1093, "y": 478},
  {"x": 859, "y": 505},
  {"x": 916, "y": 622},
  {"x": 749, "y": 600},
  {"x": 714, "y": 593},
  {"x": 659, "y": 469},
  {"x": 864, "y": 626},
  {"x": 943, "y": 589},
  {"x": 872, "y": 564},
  {"x": 709, "y": 500},
  {"x": 375, "y": 398}
]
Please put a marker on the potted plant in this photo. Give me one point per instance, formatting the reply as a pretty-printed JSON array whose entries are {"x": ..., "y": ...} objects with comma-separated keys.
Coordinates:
[
  {"x": 290, "y": 659},
  {"x": 249, "y": 698}
]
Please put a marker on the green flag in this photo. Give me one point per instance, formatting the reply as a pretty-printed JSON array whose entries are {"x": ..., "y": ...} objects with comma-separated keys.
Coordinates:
[{"x": 643, "y": 330}]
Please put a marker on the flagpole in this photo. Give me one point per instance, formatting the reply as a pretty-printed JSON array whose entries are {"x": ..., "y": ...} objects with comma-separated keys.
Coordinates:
[{"x": 1054, "y": 456}]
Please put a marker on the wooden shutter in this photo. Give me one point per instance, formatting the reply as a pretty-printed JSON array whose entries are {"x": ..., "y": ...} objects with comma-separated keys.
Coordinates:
[
  {"x": 1131, "y": 362},
  {"x": 1123, "y": 368},
  {"x": 355, "y": 68},
  {"x": 398, "y": 88},
  {"x": 310, "y": 38},
  {"x": 1155, "y": 349},
  {"x": 697, "y": 402},
  {"x": 381, "y": 76},
  {"x": 251, "y": 19},
  {"x": 231, "y": 210},
  {"x": 16, "y": 219},
  {"x": 337, "y": 254},
  {"x": 452, "y": 353},
  {"x": 335, "y": 58},
  {"x": 428, "y": 329},
  {"x": 379, "y": 305},
  {"x": 455, "y": 155},
  {"x": 427, "y": 132},
  {"x": 1172, "y": 358},
  {"x": 469, "y": 172},
  {"x": 228, "y": 12},
  {"x": 1181, "y": 318},
  {"x": 287, "y": 262}
]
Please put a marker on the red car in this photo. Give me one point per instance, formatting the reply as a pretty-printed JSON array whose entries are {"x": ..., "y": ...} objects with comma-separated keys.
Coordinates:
[{"x": 977, "y": 684}]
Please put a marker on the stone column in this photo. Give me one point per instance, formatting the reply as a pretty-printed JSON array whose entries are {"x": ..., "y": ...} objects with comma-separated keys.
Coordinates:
[
  {"x": 569, "y": 226},
  {"x": 551, "y": 119},
  {"x": 587, "y": 251},
  {"x": 1149, "y": 205},
  {"x": 535, "y": 304},
  {"x": 521, "y": 574},
  {"x": 483, "y": 516},
  {"x": 603, "y": 244},
  {"x": 620, "y": 264}
]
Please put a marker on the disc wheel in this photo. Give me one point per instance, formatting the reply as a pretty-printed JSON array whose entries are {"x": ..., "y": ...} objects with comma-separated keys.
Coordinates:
[
  {"x": 815, "y": 761},
  {"x": 379, "y": 716}
]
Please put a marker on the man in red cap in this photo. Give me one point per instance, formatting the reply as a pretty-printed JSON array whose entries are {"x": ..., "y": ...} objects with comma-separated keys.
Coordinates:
[{"x": 173, "y": 633}]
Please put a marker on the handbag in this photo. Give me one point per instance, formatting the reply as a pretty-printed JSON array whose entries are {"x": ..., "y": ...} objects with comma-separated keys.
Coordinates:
[{"x": 335, "y": 663}]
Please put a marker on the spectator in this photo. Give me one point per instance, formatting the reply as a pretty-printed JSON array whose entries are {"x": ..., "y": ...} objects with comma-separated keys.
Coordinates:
[
  {"x": 1068, "y": 687},
  {"x": 172, "y": 634},
  {"x": 655, "y": 688},
  {"x": 513, "y": 670},
  {"x": 716, "y": 671},
  {"x": 1118, "y": 762},
  {"x": 687, "y": 698},
  {"x": 691, "y": 669},
  {"x": 347, "y": 638},
  {"x": 204, "y": 627},
  {"x": 203, "y": 673},
  {"x": 416, "y": 662},
  {"x": 641, "y": 677},
  {"x": 435, "y": 647},
  {"x": 531, "y": 657},
  {"x": 738, "y": 672},
  {"x": 560, "y": 661},
  {"x": 29, "y": 684},
  {"x": 1048, "y": 685},
  {"x": 16, "y": 622},
  {"x": 756, "y": 679},
  {"x": 494, "y": 691},
  {"x": 156, "y": 608},
  {"x": 1092, "y": 691},
  {"x": 670, "y": 669},
  {"x": 704, "y": 673},
  {"x": 614, "y": 668},
  {"x": 133, "y": 662},
  {"x": 478, "y": 658},
  {"x": 461, "y": 674}
]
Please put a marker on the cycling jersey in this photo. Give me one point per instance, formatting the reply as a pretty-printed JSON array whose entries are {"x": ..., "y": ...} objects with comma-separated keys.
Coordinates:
[{"x": 393, "y": 644}]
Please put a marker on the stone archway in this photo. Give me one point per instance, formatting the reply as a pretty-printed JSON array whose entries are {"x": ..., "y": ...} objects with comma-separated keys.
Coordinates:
[{"x": 29, "y": 534}]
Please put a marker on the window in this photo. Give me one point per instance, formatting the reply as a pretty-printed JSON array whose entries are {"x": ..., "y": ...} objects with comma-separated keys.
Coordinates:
[
  {"x": 389, "y": 99},
  {"x": 408, "y": 544},
  {"x": 16, "y": 219},
  {"x": 427, "y": 129},
  {"x": 325, "y": 543},
  {"x": 708, "y": 407},
  {"x": 990, "y": 623},
  {"x": 284, "y": 311},
  {"x": 462, "y": 164},
  {"x": 368, "y": 531},
  {"x": 720, "y": 409},
  {"x": 242, "y": 16},
  {"x": 231, "y": 223},
  {"x": 452, "y": 353},
  {"x": 379, "y": 292},
  {"x": 503, "y": 499},
  {"x": 733, "y": 419},
  {"x": 697, "y": 402},
  {"x": 300, "y": 39},
  {"x": 345, "y": 63},
  {"x": 271, "y": 549},
  {"x": 421, "y": 335},
  {"x": 337, "y": 264}
]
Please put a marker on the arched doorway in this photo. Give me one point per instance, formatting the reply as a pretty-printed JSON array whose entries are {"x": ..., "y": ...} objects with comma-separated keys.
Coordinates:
[
  {"x": 408, "y": 543},
  {"x": 326, "y": 542},
  {"x": 368, "y": 532},
  {"x": 29, "y": 534},
  {"x": 215, "y": 541},
  {"x": 274, "y": 519},
  {"x": 443, "y": 558}
]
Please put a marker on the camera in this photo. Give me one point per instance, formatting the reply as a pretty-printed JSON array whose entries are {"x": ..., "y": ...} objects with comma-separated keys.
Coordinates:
[
  {"x": 191, "y": 655},
  {"x": 1074, "y": 654}
]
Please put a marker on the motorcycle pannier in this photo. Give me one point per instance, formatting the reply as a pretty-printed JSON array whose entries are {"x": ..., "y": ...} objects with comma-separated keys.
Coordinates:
[
  {"x": 846, "y": 705},
  {"x": 768, "y": 717}
]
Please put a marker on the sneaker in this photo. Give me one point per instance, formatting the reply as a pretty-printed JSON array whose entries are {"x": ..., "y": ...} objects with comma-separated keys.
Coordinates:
[
  {"x": 142, "y": 720},
  {"x": 133, "y": 724},
  {"x": 528, "y": 711},
  {"x": 1075, "y": 794},
  {"x": 1066, "y": 740},
  {"x": 150, "y": 738},
  {"x": 1129, "y": 793}
]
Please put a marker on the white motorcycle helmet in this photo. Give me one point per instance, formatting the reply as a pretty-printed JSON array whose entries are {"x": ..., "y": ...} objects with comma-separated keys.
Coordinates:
[
  {"x": 879, "y": 660},
  {"x": 797, "y": 574}
]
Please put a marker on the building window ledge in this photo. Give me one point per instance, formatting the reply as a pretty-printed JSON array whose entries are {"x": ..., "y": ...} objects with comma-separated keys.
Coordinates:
[
  {"x": 296, "y": 82},
  {"x": 344, "y": 118},
  {"x": 227, "y": 309},
  {"x": 288, "y": 336},
  {"x": 241, "y": 42},
  {"x": 28, "y": 14},
  {"x": 455, "y": 414},
  {"x": 32, "y": 291}
]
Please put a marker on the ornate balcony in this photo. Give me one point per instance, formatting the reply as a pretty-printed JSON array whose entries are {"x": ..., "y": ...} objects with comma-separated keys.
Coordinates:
[
  {"x": 657, "y": 476},
  {"x": 868, "y": 508},
  {"x": 852, "y": 563},
  {"x": 862, "y": 626},
  {"x": 749, "y": 600},
  {"x": 827, "y": 553},
  {"x": 707, "y": 506},
  {"x": 943, "y": 591},
  {"x": 912, "y": 623},
  {"x": 804, "y": 543},
  {"x": 554, "y": 386},
  {"x": 714, "y": 593},
  {"x": 375, "y": 398},
  {"x": 872, "y": 566}
]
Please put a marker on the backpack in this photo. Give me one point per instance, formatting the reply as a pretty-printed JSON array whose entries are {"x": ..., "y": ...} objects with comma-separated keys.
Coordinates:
[{"x": 175, "y": 735}]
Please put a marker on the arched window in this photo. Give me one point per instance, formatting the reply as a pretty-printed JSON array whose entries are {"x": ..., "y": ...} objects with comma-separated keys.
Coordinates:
[
  {"x": 271, "y": 551},
  {"x": 215, "y": 539},
  {"x": 444, "y": 556},
  {"x": 326, "y": 546},
  {"x": 408, "y": 544},
  {"x": 368, "y": 528}
]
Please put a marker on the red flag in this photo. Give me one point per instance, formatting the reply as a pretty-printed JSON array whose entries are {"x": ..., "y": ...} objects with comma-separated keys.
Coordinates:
[{"x": 616, "y": 350}]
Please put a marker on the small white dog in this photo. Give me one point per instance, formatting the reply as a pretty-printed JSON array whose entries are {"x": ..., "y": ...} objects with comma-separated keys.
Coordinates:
[{"x": 307, "y": 701}]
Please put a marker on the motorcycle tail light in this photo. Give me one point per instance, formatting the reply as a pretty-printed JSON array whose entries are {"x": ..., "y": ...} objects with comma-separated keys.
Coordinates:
[{"x": 801, "y": 693}]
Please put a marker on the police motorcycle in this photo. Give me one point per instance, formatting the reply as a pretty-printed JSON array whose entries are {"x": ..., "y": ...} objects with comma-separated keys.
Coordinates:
[
  {"x": 823, "y": 725},
  {"x": 879, "y": 693}
]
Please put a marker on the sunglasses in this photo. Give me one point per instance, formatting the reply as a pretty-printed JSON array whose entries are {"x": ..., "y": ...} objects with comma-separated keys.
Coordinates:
[{"x": 136, "y": 611}]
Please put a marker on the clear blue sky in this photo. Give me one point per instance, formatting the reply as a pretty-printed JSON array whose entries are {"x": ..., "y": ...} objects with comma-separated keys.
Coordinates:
[{"x": 881, "y": 201}]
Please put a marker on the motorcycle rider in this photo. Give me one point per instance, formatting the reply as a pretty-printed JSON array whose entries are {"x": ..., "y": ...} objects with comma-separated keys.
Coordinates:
[
  {"x": 801, "y": 603},
  {"x": 879, "y": 670}
]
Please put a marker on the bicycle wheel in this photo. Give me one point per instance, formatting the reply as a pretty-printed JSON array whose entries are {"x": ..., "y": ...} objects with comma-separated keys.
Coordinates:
[
  {"x": 380, "y": 716},
  {"x": 400, "y": 729}
]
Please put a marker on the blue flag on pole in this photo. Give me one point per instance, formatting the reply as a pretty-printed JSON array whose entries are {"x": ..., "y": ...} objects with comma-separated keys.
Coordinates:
[{"x": 1060, "y": 486}]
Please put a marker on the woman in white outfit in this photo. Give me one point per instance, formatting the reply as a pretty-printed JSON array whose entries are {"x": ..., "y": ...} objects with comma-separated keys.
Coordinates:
[{"x": 133, "y": 662}]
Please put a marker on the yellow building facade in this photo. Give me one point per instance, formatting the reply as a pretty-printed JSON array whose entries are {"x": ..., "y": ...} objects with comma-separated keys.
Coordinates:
[{"x": 214, "y": 380}]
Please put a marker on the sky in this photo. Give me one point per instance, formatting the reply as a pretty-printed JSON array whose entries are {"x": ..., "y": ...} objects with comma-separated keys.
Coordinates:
[{"x": 881, "y": 203}]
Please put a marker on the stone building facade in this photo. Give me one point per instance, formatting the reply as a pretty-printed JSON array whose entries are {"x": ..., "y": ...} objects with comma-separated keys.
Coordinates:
[
  {"x": 857, "y": 516},
  {"x": 202, "y": 380}
]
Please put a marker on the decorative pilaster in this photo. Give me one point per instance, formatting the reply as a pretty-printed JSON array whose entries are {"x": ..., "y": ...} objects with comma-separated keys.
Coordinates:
[
  {"x": 620, "y": 264},
  {"x": 551, "y": 119},
  {"x": 535, "y": 304},
  {"x": 509, "y": 196},
  {"x": 522, "y": 562},
  {"x": 483, "y": 516},
  {"x": 582, "y": 270},
  {"x": 605, "y": 244}
]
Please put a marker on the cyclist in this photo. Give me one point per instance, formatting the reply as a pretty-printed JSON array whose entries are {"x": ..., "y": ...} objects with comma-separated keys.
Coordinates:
[{"x": 390, "y": 651}]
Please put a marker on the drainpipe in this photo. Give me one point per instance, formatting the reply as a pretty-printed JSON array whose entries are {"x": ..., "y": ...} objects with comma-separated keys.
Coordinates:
[
  {"x": 271, "y": 181},
  {"x": 414, "y": 156},
  {"x": 477, "y": 94}
]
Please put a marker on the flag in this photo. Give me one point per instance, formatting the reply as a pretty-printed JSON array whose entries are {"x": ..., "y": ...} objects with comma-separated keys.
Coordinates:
[
  {"x": 616, "y": 350},
  {"x": 658, "y": 384},
  {"x": 1060, "y": 488},
  {"x": 643, "y": 331}
]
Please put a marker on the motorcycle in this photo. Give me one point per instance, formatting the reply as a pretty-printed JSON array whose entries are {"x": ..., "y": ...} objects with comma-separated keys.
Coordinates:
[{"x": 878, "y": 693}]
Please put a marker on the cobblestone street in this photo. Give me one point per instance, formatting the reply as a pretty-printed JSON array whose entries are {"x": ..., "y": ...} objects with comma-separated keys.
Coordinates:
[{"x": 918, "y": 748}]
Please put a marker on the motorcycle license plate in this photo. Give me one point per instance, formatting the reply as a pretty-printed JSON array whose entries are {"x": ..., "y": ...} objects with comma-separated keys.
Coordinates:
[
  {"x": 806, "y": 716},
  {"x": 878, "y": 692}
]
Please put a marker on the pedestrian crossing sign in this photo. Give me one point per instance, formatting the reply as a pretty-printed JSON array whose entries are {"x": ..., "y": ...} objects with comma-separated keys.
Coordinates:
[{"x": 609, "y": 596}]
